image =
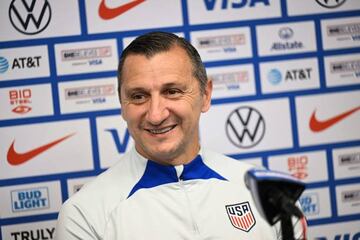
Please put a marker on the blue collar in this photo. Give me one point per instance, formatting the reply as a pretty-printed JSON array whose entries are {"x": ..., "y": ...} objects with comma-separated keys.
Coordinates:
[{"x": 156, "y": 174}]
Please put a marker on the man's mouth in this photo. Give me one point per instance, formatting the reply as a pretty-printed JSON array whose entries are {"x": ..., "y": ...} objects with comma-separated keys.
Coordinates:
[{"x": 161, "y": 130}]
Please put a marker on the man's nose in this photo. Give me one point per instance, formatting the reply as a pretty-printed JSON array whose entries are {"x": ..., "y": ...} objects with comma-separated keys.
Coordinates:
[{"x": 157, "y": 110}]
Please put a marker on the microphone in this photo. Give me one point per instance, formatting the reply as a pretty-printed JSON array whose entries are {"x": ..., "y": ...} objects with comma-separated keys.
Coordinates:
[{"x": 275, "y": 194}]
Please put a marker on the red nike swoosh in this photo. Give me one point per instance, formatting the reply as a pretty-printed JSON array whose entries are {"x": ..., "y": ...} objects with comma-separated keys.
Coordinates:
[
  {"x": 318, "y": 126},
  {"x": 109, "y": 13},
  {"x": 15, "y": 158}
]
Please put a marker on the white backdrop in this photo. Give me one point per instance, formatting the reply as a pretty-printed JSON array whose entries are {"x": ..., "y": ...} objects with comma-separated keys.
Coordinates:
[{"x": 286, "y": 96}]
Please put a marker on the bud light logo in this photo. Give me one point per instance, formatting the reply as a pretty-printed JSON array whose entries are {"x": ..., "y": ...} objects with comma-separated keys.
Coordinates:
[
  {"x": 274, "y": 76},
  {"x": 30, "y": 199},
  {"x": 310, "y": 204},
  {"x": 4, "y": 65}
]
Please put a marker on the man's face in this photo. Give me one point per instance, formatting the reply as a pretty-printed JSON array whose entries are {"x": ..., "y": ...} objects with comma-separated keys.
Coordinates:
[{"x": 161, "y": 103}]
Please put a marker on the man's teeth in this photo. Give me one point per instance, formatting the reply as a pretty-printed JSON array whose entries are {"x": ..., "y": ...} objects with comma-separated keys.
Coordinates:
[{"x": 159, "y": 131}]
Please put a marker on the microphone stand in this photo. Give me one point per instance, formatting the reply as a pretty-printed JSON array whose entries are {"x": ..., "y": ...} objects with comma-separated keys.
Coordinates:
[
  {"x": 287, "y": 209},
  {"x": 275, "y": 195}
]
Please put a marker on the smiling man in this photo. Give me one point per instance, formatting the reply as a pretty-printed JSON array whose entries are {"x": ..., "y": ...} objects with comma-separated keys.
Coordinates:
[{"x": 167, "y": 186}]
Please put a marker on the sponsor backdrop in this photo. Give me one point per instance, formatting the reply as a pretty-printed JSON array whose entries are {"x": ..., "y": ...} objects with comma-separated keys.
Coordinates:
[{"x": 286, "y": 79}]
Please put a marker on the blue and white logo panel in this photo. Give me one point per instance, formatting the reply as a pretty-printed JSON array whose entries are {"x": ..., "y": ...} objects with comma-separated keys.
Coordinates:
[
  {"x": 315, "y": 203},
  {"x": 30, "y": 199},
  {"x": 232, "y": 81},
  {"x": 289, "y": 75},
  {"x": 340, "y": 33},
  {"x": 214, "y": 11},
  {"x": 222, "y": 44},
  {"x": 280, "y": 39}
]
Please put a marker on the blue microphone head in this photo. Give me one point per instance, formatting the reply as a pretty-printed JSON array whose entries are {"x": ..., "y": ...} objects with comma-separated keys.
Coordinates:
[{"x": 274, "y": 193}]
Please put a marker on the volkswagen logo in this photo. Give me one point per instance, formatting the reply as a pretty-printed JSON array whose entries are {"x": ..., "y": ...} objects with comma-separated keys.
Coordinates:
[
  {"x": 245, "y": 127},
  {"x": 286, "y": 33},
  {"x": 30, "y": 17},
  {"x": 330, "y": 3}
]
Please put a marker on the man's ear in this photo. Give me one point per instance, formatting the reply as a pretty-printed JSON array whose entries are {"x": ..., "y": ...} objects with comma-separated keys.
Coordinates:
[{"x": 207, "y": 96}]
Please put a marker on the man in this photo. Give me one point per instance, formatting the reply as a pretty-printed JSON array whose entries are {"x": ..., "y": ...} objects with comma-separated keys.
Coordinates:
[{"x": 167, "y": 187}]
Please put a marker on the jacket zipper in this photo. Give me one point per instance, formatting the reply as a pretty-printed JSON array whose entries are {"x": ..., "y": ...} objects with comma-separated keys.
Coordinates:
[{"x": 193, "y": 222}]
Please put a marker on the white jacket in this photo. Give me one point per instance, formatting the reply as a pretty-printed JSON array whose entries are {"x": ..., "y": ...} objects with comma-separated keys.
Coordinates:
[{"x": 140, "y": 199}]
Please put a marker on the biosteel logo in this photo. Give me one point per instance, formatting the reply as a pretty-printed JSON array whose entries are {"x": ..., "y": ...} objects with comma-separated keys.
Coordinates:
[{"x": 21, "y": 99}]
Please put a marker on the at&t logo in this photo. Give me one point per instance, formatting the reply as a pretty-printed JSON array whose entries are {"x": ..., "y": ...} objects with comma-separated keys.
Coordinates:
[
  {"x": 30, "y": 17},
  {"x": 274, "y": 76},
  {"x": 4, "y": 65},
  {"x": 245, "y": 127}
]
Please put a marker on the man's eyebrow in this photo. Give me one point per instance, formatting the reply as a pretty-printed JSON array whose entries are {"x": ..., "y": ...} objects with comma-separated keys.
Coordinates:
[
  {"x": 173, "y": 84},
  {"x": 130, "y": 90}
]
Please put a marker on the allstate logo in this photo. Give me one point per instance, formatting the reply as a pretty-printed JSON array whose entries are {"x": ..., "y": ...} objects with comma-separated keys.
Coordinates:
[
  {"x": 4, "y": 64},
  {"x": 286, "y": 33},
  {"x": 274, "y": 76}
]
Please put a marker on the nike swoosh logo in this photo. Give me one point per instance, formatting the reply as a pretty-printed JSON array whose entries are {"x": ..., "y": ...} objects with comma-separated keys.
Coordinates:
[
  {"x": 318, "y": 126},
  {"x": 110, "y": 13},
  {"x": 14, "y": 158}
]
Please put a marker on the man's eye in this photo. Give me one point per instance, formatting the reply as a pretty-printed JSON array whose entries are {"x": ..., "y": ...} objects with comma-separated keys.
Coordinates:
[
  {"x": 173, "y": 92},
  {"x": 138, "y": 98}
]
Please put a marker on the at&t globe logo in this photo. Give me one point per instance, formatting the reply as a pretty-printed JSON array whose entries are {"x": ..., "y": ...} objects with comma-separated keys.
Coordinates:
[
  {"x": 274, "y": 76},
  {"x": 4, "y": 64}
]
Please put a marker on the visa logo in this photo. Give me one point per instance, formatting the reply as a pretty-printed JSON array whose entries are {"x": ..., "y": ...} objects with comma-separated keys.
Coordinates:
[
  {"x": 226, "y": 4},
  {"x": 233, "y": 87},
  {"x": 99, "y": 100},
  {"x": 230, "y": 49},
  {"x": 121, "y": 144},
  {"x": 95, "y": 62},
  {"x": 346, "y": 236},
  {"x": 356, "y": 37}
]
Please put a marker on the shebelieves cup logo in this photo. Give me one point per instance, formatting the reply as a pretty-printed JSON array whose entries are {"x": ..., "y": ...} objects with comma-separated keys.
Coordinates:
[
  {"x": 241, "y": 216},
  {"x": 30, "y": 17},
  {"x": 245, "y": 127}
]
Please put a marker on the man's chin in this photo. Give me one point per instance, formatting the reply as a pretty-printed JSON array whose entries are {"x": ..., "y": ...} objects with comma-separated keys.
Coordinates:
[{"x": 163, "y": 155}]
